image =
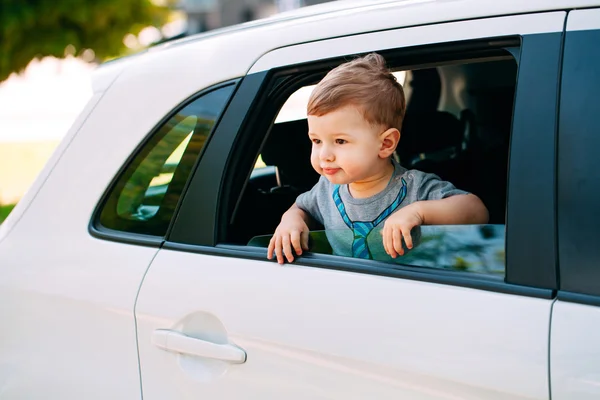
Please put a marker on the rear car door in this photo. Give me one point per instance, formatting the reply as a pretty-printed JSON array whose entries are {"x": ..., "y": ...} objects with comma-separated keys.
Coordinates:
[
  {"x": 217, "y": 320},
  {"x": 575, "y": 343}
]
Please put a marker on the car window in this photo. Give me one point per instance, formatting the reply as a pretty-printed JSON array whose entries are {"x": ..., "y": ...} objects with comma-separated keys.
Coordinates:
[
  {"x": 466, "y": 248},
  {"x": 146, "y": 194},
  {"x": 457, "y": 126}
]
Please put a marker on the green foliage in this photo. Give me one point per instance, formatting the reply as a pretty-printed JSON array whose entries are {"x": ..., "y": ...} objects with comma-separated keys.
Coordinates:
[
  {"x": 4, "y": 211},
  {"x": 38, "y": 28}
]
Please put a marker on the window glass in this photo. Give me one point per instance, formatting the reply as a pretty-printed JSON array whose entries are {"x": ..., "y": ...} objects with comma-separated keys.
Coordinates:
[
  {"x": 457, "y": 126},
  {"x": 145, "y": 196},
  {"x": 579, "y": 165},
  {"x": 466, "y": 248}
]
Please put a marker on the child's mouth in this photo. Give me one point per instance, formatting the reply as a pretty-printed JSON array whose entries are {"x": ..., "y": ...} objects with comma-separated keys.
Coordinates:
[{"x": 330, "y": 171}]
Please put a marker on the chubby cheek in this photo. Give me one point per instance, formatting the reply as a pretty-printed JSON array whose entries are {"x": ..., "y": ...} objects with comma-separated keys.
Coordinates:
[
  {"x": 355, "y": 162},
  {"x": 314, "y": 160}
]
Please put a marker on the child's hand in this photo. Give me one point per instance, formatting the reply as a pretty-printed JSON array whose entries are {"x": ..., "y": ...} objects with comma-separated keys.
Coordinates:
[
  {"x": 291, "y": 232},
  {"x": 398, "y": 226}
]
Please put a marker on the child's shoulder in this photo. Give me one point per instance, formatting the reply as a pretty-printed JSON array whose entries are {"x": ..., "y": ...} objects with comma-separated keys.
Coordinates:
[
  {"x": 419, "y": 181},
  {"x": 413, "y": 176}
]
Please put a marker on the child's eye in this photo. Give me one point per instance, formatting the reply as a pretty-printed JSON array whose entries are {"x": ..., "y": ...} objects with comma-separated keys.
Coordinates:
[
  {"x": 340, "y": 141},
  {"x": 316, "y": 141}
]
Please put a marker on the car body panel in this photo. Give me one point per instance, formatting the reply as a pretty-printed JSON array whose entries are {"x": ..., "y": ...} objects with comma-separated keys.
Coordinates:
[
  {"x": 69, "y": 329},
  {"x": 413, "y": 36},
  {"x": 68, "y": 298},
  {"x": 320, "y": 334},
  {"x": 575, "y": 351},
  {"x": 26, "y": 200},
  {"x": 317, "y": 333}
]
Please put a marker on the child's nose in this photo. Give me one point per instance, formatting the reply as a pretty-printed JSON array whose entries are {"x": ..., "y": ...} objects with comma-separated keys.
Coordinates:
[{"x": 326, "y": 154}]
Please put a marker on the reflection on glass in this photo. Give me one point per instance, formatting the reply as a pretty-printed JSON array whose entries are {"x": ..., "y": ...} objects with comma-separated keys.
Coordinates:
[
  {"x": 469, "y": 248},
  {"x": 155, "y": 173},
  {"x": 472, "y": 248},
  {"x": 144, "y": 198}
]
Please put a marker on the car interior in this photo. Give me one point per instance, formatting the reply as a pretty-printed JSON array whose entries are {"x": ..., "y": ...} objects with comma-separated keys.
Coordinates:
[{"x": 457, "y": 126}]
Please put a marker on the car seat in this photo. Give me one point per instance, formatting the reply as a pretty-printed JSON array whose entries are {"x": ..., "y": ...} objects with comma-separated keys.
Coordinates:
[
  {"x": 432, "y": 141},
  {"x": 288, "y": 149}
]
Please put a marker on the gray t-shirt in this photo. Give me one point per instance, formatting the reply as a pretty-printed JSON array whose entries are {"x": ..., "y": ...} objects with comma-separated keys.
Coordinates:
[{"x": 335, "y": 208}]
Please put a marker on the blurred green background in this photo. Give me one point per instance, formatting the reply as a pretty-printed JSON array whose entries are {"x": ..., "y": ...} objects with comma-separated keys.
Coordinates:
[{"x": 49, "y": 48}]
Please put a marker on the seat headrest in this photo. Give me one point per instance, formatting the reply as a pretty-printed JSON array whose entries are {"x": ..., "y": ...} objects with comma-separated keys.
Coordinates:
[
  {"x": 426, "y": 88},
  {"x": 288, "y": 147}
]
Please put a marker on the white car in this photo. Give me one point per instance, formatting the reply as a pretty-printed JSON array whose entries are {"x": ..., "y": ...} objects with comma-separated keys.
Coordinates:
[{"x": 135, "y": 267}]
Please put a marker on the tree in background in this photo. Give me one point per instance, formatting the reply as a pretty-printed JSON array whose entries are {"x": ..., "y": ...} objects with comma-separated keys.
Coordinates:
[{"x": 38, "y": 28}]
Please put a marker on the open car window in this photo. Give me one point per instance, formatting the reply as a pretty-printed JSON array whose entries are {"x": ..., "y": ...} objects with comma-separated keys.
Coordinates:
[
  {"x": 457, "y": 126},
  {"x": 466, "y": 248}
]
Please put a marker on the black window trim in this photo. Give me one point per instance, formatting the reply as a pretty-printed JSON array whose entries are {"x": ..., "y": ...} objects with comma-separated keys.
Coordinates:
[
  {"x": 252, "y": 94},
  {"x": 98, "y": 231},
  {"x": 578, "y": 298},
  {"x": 573, "y": 122},
  {"x": 531, "y": 195},
  {"x": 195, "y": 218}
]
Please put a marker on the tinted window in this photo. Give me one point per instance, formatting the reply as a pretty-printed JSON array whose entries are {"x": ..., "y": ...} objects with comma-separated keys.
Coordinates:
[
  {"x": 579, "y": 165},
  {"x": 145, "y": 196},
  {"x": 466, "y": 248}
]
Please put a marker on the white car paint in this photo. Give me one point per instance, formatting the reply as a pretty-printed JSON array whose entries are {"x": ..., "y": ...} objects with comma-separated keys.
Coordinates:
[
  {"x": 353, "y": 331},
  {"x": 67, "y": 299},
  {"x": 416, "y": 36},
  {"x": 580, "y": 20},
  {"x": 575, "y": 351},
  {"x": 360, "y": 336}
]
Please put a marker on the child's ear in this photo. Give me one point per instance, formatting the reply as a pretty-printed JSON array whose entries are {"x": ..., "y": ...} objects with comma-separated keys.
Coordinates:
[{"x": 389, "y": 142}]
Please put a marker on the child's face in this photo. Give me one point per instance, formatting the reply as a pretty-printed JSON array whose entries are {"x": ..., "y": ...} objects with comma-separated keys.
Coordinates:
[{"x": 346, "y": 148}]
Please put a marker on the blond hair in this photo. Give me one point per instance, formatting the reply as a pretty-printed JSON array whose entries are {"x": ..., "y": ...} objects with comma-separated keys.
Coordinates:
[{"x": 365, "y": 83}]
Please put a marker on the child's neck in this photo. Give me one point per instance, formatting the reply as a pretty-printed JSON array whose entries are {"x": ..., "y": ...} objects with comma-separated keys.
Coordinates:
[{"x": 372, "y": 185}]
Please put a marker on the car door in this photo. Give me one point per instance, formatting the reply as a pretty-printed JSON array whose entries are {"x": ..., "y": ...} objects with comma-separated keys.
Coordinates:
[
  {"x": 217, "y": 320},
  {"x": 575, "y": 344}
]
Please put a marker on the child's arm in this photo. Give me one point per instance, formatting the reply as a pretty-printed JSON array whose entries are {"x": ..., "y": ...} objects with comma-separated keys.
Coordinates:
[
  {"x": 292, "y": 231},
  {"x": 454, "y": 210}
]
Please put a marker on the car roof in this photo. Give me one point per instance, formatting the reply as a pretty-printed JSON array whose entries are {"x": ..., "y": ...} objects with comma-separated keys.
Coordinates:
[
  {"x": 253, "y": 39},
  {"x": 336, "y": 9}
]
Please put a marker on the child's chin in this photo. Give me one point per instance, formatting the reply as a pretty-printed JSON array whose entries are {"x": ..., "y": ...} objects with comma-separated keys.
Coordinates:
[{"x": 336, "y": 180}]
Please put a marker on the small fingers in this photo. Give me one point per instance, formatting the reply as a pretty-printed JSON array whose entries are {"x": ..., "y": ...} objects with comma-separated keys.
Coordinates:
[
  {"x": 304, "y": 240},
  {"x": 287, "y": 248},
  {"x": 407, "y": 238},
  {"x": 397, "y": 238},
  {"x": 295, "y": 236},
  {"x": 271, "y": 248},
  {"x": 278, "y": 249},
  {"x": 388, "y": 242}
]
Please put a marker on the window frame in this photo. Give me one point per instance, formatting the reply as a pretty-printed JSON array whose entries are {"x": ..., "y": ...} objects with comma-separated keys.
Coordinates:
[
  {"x": 537, "y": 71},
  {"x": 577, "y": 219},
  {"x": 97, "y": 230}
]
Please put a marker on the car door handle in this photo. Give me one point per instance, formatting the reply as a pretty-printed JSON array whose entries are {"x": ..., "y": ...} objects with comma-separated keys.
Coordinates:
[{"x": 178, "y": 342}]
